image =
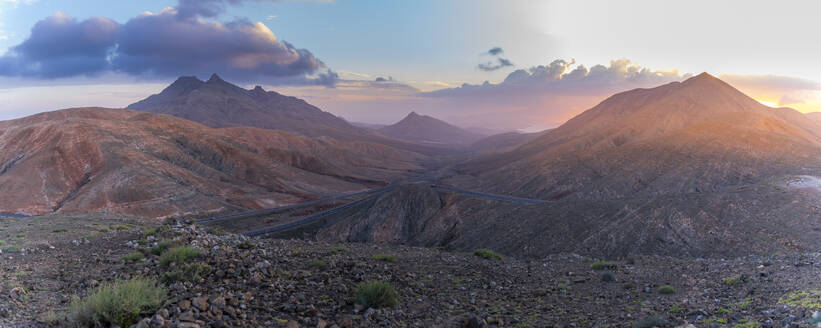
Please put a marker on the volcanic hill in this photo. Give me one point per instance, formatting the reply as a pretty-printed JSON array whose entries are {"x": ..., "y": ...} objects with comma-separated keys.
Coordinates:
[
  {"x": 427, "y": 130},
  {"x": 219, "y": 104},
  {"x": 96, "y": 159}
]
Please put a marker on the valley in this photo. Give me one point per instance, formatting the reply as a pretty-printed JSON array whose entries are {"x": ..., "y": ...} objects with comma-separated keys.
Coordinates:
[{"x": 707, "y": 216}]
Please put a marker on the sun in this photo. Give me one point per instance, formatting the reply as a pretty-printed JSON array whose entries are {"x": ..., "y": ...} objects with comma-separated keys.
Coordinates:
[{"x": 768, "y": 103}]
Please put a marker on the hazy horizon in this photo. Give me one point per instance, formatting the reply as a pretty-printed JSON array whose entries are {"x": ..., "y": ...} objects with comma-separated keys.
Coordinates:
[{"x": 536, "y": 70}]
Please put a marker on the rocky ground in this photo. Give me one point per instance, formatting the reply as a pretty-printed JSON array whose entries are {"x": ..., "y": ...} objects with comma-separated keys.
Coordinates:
[{"x": 294, "y": 283}]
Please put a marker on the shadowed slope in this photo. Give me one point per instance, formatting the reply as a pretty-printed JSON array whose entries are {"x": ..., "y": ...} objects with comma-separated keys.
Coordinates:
[{"x": 219, "y": 104}]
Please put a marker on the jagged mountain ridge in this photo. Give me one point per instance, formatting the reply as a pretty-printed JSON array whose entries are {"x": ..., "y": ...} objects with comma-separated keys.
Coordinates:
[{"x": 219, "y": 104}]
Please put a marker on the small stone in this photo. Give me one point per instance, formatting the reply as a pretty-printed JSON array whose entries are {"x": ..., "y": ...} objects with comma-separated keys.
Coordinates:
[
  {"x": 346, "y": 322},
  {"x": 474, "y": 322},
  {"x": 292, "y": 324},
  {"x": 184, "y": 305},
  {"x": 144, "y": 323},
  {"x": 201, "y": 303},
  {"x": 187, "y": 325},
  {"x": 187, "y": 316}
]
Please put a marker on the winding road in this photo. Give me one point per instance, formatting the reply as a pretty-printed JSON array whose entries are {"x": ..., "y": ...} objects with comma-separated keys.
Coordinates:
[
  {"x": 13, "y": 215},
  {"x": 374, "y": 192},
  {"x": 286, "y": 207}
]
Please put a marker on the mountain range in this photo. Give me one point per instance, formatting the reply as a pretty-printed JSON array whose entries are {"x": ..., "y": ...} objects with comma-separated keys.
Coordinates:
[
  {"x": 693, "y": 168},
  {"x": 220, "y": 104}
]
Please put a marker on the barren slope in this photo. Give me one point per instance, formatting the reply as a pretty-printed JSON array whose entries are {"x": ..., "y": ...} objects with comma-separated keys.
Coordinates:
[
  {"x": 686, "y": 169},
  {"x": 217, "y": 103},
  {"x": 91, "y": 159},
  {"x": 428, "y": 130}
]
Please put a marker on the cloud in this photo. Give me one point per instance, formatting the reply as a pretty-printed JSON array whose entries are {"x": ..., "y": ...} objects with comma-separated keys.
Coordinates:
[
  {"x": 542, "y": 96},
  {"x": 60, "y": 46},
  {"x": 789, "y": 100},
  {"x": 177, "y": 41},
  {"x": 801, "y": 94},
  {"x": 771, "y": 82},
  {"x": 205, "y": 8},
  {"x": 495, "y": 51},
  {"x": 498, "y": 63},
  {"x": 490, "y": 66},
  {"x": 536, "y": 98}
]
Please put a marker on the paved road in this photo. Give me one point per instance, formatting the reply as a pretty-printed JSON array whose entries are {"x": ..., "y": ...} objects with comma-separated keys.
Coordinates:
[
  {"x": 13, "y": 215},
  {"x": 275, "y": 209},
  {"x": 503, "y": 198},
  {"x": 308, "y": 219},
  {"x": 335, "y": 210}
]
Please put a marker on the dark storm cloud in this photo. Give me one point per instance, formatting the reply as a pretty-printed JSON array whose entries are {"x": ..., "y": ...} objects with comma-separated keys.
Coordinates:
[
  {"x": 59, "y": 46},
  {"x": 171, "y": 43},
  {"x": 498, "y": 63}
]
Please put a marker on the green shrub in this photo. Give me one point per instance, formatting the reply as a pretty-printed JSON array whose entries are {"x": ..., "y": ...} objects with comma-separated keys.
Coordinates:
[
  {"x": 193, "y": 272},
  {"x": 120, "y": 227},
  {"x": 247, "y": 244},
  {"x": 148, "y": 231},
  {"x": 602, "y": 265},
  {"x": 178, "y": 255},
  {"x": 163, "y": 246},
  {"x": 734, "y": 280},
  {"x": 59, "y": 230},
  {"x": 133, "y": 257},
  {"x": 677, "y": 309},
  {"x": 666, "y": 290},
  {"x": 809, "y": 299},
  {"x": 608, "y": 277},
  {"x": 385, "y": 258},
  {"x": 744, "y": 323},
  {"x": 103, "y": 230},
  {"x": 12, "y": 249},
  {"x": 724, "y": 311},
  {"x": 2, "y": 242},
  {"x": 319, "y": 264},
  {"x": 651, "y": 321},
  {"x": 121, "y": 304},
  {"x": 20, "y": 235},
  {"x": 376, "y": 294},
  {"x": 337, "y": 250},
  {"x": 487, "y": 254}
]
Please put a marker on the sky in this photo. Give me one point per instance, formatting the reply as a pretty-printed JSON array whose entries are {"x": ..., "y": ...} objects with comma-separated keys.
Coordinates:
[{"x": 513, "y": 64}]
